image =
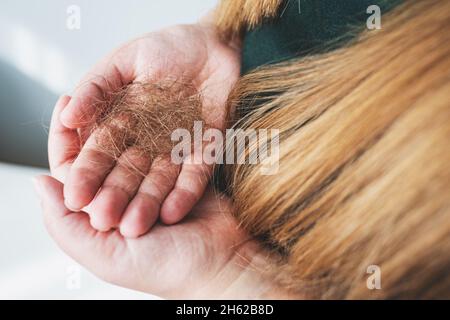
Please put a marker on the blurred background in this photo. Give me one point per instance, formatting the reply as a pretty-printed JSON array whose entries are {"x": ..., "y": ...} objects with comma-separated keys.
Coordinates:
[{"x": 41, "y": 57}]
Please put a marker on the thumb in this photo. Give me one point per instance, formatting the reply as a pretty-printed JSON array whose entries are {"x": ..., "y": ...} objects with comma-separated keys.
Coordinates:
[
  {"x": 73, "y": 232},
  {"x": 67, "y": 228}
]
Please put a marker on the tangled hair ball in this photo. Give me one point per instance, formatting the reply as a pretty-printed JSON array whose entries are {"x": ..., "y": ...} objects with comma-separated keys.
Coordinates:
[{"x": 144, "y": 115}]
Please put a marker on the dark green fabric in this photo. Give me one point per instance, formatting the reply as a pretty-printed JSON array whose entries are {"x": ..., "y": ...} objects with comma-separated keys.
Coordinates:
[{"x": 305, "y": 26}]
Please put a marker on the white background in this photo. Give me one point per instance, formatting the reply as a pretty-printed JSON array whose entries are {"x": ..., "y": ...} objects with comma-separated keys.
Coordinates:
[{"x": 40, "y": 58}]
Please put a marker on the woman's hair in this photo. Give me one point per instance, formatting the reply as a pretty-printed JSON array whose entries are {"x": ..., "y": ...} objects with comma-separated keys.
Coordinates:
[
  {"x": 364, "y": 174},
  {"x": 233, "y": 17}
]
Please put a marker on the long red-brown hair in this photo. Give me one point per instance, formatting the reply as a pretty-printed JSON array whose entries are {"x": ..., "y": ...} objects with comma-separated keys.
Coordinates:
[{"x": 364, "y": 175}]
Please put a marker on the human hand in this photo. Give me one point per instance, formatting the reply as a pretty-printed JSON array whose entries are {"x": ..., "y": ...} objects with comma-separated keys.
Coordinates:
[
  {"x": 206, "y": 256},
  {"x": 116, "y": 198}
]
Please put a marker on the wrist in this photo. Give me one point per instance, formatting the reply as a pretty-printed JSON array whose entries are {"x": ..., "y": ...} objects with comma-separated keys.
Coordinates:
[{"x": 248, "y": 275}]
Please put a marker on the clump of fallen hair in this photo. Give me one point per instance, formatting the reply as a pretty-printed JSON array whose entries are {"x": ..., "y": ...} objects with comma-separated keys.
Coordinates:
[{"x": 144, "y": 115}]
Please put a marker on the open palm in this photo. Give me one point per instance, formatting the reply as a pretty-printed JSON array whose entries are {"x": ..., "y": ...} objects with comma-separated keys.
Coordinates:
[{"x": 116, "y": 198}]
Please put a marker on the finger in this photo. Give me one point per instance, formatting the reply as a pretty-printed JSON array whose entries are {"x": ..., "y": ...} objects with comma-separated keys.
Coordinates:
[
  {"x": 189, "y": 188},
  {"x": 118, "y": 189},
  {"x": 87, "y": 173},
  {"x": 63, "y": 143},
  {"x": 72, "y": 231},
  {"x": 109, "y": 75},
  {"x": 143, "y": 211}
]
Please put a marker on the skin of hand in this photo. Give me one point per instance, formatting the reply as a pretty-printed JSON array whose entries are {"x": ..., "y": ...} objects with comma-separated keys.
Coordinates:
[
  {"x": 205, "y": 256},
  {"x": 116, "y": 198}
]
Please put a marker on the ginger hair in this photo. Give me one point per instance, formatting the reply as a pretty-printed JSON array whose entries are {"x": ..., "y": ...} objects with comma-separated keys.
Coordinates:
[
  {"x": 364, "y": 176},
  {"x": 233, "y": 17},
  {"x": 143, "y": 115}
]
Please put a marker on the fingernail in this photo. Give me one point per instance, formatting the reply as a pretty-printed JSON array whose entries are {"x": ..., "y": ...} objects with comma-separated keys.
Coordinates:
[{"x": 37, "y": 186}]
